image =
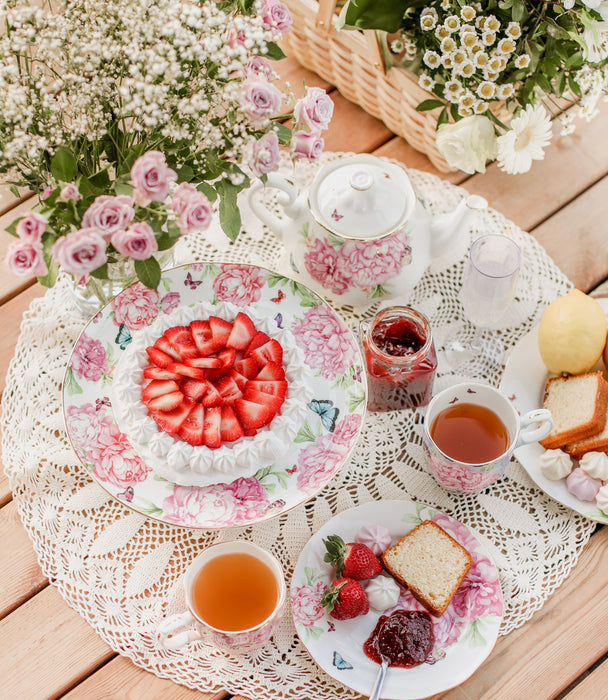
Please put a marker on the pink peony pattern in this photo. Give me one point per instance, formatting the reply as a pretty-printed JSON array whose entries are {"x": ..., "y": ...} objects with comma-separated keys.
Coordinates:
[
  {"x": 318, "y": 462},
  {"x": 322, "y": 265},
  {"x": 460, "y": 478},
  {"x": 136, "y": 307},
  {"x": 326, "y": 341},
  {"x": 170, "y": 302},
  {"x": 89, "y": 360},
  {"x": 85, "y": 423},
  {"x": 115, "y": 461},
  {"x": 239, "y": 284},
  {"x": 305, "y": 604}
]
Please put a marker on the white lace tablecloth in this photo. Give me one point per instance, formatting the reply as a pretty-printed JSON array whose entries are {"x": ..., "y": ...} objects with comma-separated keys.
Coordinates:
[{"x": 123, "y": 572}]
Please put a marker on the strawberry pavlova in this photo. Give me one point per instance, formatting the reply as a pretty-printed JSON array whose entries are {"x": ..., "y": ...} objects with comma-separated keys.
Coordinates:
[{"x": 211, "y": 392}]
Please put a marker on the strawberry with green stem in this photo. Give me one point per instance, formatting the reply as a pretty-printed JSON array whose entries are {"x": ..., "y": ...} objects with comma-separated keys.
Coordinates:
[
  {"x": 352, "y": 560},
  {"x": 345, "y": 599}
]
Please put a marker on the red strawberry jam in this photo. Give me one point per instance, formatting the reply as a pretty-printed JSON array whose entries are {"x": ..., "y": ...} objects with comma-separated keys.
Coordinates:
[
  {"x": 400, "y": 359},
  {"x": 406, "y": 639}
]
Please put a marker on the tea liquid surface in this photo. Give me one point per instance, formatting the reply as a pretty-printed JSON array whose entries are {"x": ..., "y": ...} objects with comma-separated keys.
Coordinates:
[
  {"x": 470, "y": 433},
  {"x": 234, "y": 592}
]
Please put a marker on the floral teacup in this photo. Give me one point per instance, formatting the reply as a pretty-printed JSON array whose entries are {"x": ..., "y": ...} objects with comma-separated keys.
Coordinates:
[{"x": 468, "y": 478}]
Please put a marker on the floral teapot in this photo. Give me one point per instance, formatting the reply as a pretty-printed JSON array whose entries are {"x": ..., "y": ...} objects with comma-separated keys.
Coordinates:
[{"x": 359, "y": 233}]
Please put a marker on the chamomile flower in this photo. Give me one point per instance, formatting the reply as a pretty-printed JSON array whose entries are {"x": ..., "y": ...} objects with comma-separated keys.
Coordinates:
[
  {"x": 441, "y": 32},
  {"x": 513, "y": 30},
  {"x": 528, "y": 135},
  {"x": 452, "y": 90},
  {"x": 428, "y": 19},
  {"x": 468, "y": 13},
  {"x": 488, "y": 37},
  {"x": 452, "y": 23},
  {"x": 431, "y": 59},
  {"x": 486, "y": 90},
  {"x": 522, "y": 61},
  {"x": 480, "y": 59},
  {"x": 492, "y": 24},
  {"x": 396, "y": 46},
  {"x": 506, "y": 46},
  {"x": 567, "y": 124},
  {"x": 504, "y": 91},
  {"x": 426, "y": 82},
  {"x": 448, "y": 45}
]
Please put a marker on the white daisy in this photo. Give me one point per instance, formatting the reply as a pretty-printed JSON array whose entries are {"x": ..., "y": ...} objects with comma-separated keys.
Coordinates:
[
  {"x": 529, "y": 134},
  {"x": 426, "y": 82}
]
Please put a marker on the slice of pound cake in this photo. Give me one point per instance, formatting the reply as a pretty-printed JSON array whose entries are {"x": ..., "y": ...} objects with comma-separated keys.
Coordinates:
[
  {"x": 431, "y": 563},
  {"x": 578, "y": 407}
]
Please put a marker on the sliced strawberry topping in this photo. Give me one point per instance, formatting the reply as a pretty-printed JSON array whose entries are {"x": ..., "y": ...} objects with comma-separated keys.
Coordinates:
[
  {"x": 158, "y": 357},
  {"x": 171, "y": 421},
  {"x": 160, "y": 373},
  {"x": 240, "y": 379},
  {"x": 205, "y": 362},
  {"x": 191, "y": 429},
  {"x": 212, "y": 397},
  {"x": 203, "y": 337},
  {"x": 248, "y": 367},
  {"x": 181, "y": 339},
  {"x": 158, "y": 387},
  {"x": 220, "y": 331},
  {"x": 242, "y": 332},
  {"x": 273, "y": 402},
  {"x": 211, "y": 427},
  {"x": 274, "y": 388},
  {"x": 165, "y": 346},
  {"x": 230, "y": 428},
  {"x": 229, "y": 390},
  {"x": 194, "y": 388},
  {"x": 271, "y": 372},
  {"x": 260, "y": 338},
  {"x": 252, "y": 415},
  {"x": 187, "y": 371},
  {"x": 269, "y": 352},
  {"x": 226, "y": 356},
  {"x": 165, "y": 402}
]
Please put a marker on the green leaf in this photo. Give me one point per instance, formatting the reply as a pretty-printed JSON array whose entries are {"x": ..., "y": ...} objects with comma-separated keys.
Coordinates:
[
  {"x": 53, "y": 269},
  {"x": 72, "y": 386},
  {"x": 63, "y": 165},
  {"x": 283, "y": 132},
  {"x": 426, "y": 105},
  {"x": 207, "y": 190},
  {"x": 12, "y": 227},
  {"x": 148, "y": 272},
  {"x": 230, "y": 216},
  {"x": 306, "y": 434},
  {"x": 374, "y": 14},
  {"x": 101, "y": 180},
  {"x": 275, "y": 52}
]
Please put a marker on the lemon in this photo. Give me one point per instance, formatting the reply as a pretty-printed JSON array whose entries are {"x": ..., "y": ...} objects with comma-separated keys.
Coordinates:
[{"x": 572, "y": 333}]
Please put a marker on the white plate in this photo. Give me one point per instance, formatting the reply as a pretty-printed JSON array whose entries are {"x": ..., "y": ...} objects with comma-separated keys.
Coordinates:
[
  {"x": 523, "y": 382},
  {"x": 464, "y": 635}
]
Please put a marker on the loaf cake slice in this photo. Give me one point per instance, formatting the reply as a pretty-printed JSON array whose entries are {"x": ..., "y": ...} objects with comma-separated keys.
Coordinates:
[
  {"x": 431, "y": 563},
  {"x": 578, "y": 407},
  {"x": 595, "y": 443}
]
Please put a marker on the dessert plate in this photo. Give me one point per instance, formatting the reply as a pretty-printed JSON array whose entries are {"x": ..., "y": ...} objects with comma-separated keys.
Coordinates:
[
  {"x": 523, "y": 382},
  {"x": 329, "y": 431},
  {"x": 464, "y": 635}
]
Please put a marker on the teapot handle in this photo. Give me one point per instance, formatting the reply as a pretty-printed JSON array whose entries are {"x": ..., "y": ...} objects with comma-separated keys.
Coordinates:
[{"x": 288, "y": 202}]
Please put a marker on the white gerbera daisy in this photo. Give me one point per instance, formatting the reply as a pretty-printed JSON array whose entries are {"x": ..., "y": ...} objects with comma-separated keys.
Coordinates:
[{"x": 529, "y": 134}]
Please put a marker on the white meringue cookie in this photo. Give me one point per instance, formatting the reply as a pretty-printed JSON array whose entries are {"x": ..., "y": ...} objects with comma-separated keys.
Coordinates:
[
  {"x": 555, "y": 464},
  {"x": 376, "y": 537},
  {"x": 595, "y": 464},
  {"x": 601, "y": 499},
  {"x": 382, "y": 592},
  {"x": 582, "y": 486}
]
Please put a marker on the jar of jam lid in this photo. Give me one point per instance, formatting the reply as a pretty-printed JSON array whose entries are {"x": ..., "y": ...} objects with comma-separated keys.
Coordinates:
[{"x": 400, "y": 359}]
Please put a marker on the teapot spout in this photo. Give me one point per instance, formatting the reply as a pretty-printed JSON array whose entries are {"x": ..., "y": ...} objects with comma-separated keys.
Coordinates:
[{"x": 445, "y": 227}]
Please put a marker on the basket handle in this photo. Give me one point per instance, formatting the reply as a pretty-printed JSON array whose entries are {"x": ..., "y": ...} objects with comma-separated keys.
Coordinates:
[{"x": 325, "y": 15}]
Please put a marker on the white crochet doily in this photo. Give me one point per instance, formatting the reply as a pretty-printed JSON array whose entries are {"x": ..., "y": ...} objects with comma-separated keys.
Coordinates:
[{"x": 123, "y": 572}]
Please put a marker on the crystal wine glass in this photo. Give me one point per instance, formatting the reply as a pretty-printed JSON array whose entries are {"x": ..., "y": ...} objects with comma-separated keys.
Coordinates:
[{"x": 488, "y": 287}]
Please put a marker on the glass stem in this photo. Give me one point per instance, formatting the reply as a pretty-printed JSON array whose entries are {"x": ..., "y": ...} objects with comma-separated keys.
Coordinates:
[{"x": 477, "y": 340}]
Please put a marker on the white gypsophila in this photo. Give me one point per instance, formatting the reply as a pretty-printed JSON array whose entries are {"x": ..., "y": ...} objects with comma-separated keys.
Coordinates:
[{"x": 528, "y": 135}]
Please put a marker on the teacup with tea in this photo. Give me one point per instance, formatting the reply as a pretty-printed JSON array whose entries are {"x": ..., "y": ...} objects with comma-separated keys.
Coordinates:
[
  {"x": 470, "y": 433},
  {"x": 235, "y": 595}
]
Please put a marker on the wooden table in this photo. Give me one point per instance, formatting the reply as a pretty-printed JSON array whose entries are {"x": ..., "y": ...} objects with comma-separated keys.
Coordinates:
[{"x": 48, "y": 651}]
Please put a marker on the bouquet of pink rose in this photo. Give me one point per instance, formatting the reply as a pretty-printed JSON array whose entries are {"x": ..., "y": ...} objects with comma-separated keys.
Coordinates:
[{"x": 136, "y": 121}]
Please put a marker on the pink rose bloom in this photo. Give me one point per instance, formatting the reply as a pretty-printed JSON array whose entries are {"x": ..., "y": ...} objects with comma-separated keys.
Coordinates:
[
  {"x": 182, "y": 194},
  {"x": 196, "y": 215},
  {"x": 251, "y": 497},
  {"x": 373, "y": 262},
  {"x": 326, "y": 342},
  {"x": 191, "y": 506},
  {"x": 314, "y": 110},
  {"x": 151, "y": 177},
  {"x": 86, "y": 424},
  {"x": 170, "y": 302},
  {"x": 459, "y": 478},
  {"x": 80, "y": 252},
  {"x": 239, "y": 284},
  {"x": 25, "y": 260},
  {"x": 317, "y": 464},
  {"x": 479, "y": 594},
  {"x": 321, "y": 261},
  {"x": 448, "y": 628},
  {"x": 276, "y": 15},
  {"x": 265, "y": 155},
  {"x": 306, "y": 605},
  {"x": 69, "y": 192},
  {"x": 305, "y": 145},
  {"x": 109, "y": 214},
  {"x": 89, "y": 360},
  {"x": 31, "y": 227},
  {"x": 259, "y": 68},
  {"x": 136, "y": 307},
  {"x": 236, "y": 37},
  {"x": 47, "y": 192},
  {"x": 137, "y": 242},
  {"x": 260, "y": 100},
  {"x": 116, "y": 461},
  {"x": 347, "y": 430}
]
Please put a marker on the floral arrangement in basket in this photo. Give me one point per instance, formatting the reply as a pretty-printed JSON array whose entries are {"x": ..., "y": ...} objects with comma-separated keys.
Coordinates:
[
  {"x": 482, "y": 61},
  {"x": 135, "y": 121}
]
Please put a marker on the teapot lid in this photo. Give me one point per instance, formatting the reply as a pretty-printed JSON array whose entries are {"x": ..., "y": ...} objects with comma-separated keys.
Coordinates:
[{"x": 361, "y": 197}]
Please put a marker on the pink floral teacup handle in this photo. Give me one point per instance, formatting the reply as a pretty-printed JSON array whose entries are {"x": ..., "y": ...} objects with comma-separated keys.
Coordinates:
[{"x": 168, "y": 640}]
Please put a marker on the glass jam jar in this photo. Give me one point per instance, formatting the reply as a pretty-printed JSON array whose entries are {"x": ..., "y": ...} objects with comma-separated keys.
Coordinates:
[{"x": 400, "y": 359}]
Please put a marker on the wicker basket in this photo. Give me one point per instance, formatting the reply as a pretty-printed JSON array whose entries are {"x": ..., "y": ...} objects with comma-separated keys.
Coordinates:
[{"x": 352, "y": 62}]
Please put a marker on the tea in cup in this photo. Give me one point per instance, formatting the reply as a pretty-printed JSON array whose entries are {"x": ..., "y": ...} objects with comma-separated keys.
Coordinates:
[
  {"x": 235, "y": 594},
  {"x": 470, "y": 433}
]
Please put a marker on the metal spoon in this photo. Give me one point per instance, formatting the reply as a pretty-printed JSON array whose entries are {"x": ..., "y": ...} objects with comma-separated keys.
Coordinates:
[{"x": 379, "y": 682}]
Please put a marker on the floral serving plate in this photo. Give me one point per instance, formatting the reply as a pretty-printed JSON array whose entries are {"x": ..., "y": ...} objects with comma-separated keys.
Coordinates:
[
  {"x": 464, "y": 635},
  {"x": 524, "y": 381},
  {"x": 334, "y": 417}
]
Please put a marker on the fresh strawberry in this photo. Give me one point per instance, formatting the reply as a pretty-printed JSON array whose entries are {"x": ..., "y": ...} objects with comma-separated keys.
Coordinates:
[
  {"x": 211, "y": 427},
  {"x": 204, "y": 362},
  {"x": 220, "y": 331},
  {"x": 260, "y": 338},
  {"x": 269, "y": 352},
  {"x": 248, "y": 367},
  {"x": 353, "y": 560},
  {"x": 345, "y": 599},
  {"x": 165, "y": 402},
  {"x": 274, "y": 388},
  {"x": 191, "y": 429},
  {"x": 171, "y": 421},
  {"x": 274, "y": 403},
  {"x": 226, "y": 356},
  {"x": 242, "y": 332},
  {"x": 203, "y": 337},
  {"x": 229, "y": 390},
  {"x": 181, "y": 339},
  {"x": 187, "y": 371},
  {"x": 160, "y": 373},
  {"x": 212, "y": 397},
  {"x": 158, "y": 357},
  {"x": 271, "y": 372},
  {"x": 241, "y": 381},
  {"x": 230, "y": 428},
  {"x": 165, "y": 346},
  {"x": 158, "y": 387},
  {"x": 194, "y": 388},
  {"x": 252, "y": 415}
]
